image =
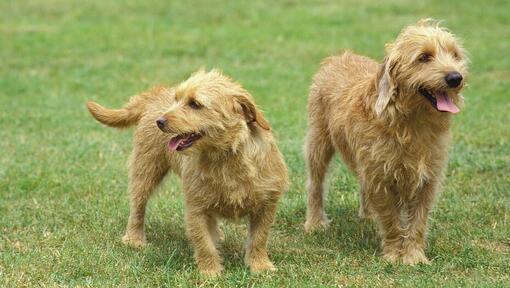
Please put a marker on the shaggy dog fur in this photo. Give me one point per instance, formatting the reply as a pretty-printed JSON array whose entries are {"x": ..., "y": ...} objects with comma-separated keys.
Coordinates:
[
  {"x": 208, "y": 131},
  {"x": 391, "y": 124}
]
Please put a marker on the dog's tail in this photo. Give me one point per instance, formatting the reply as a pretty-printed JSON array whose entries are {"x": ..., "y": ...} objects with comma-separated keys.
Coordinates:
[{"x": 129, "y": 115}]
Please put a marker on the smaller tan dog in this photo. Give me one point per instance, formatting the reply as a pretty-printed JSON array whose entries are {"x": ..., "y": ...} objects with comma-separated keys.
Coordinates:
[
  {"x": 390, "y": 122},
  {"x": 208, "y": 131}
]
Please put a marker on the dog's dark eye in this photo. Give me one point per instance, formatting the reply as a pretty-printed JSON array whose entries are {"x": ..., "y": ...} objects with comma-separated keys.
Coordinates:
[
  {"x": 425, "y": 57},
  {"x": 194, "y": 104},
  {"x": 456, "y": 55}
]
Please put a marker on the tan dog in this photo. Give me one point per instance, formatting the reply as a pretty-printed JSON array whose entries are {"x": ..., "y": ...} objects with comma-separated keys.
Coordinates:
[
  {"x": 209, "y": 132},
  {"x": 390, "y": 122}
]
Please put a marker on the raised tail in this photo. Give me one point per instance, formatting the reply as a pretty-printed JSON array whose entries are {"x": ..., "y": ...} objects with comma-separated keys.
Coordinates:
[{"x": 129, "y": 115}]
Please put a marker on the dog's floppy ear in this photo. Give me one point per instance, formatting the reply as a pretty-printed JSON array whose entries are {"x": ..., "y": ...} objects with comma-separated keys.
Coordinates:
[
  {"x": 387, "y": 86},
  {"x": 250, "y": 111}
]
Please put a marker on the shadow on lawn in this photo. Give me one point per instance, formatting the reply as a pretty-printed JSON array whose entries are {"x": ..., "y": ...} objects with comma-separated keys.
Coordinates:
[
  {"x": 169, "y": 247},
  {"x": 346, "y": 231}
]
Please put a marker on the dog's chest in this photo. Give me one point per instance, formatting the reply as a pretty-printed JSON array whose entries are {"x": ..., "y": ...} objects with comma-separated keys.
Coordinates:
[
  {"x": 411, "y": 171},
  {"x": 228, "y": 191},
  {"x": 234, "y": 196},
  {"x": 407, "y": 165}
]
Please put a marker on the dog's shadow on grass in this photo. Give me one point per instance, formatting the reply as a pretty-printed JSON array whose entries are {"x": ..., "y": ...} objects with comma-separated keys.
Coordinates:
[
  {"x": 168, "y": 245},
  {"x": 169, "y": 248},
  {"x": 346, "y": 231}
]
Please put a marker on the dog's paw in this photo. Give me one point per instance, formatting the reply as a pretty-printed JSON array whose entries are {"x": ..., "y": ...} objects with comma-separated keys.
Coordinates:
[
  {"x": 211, "y": 272},
  {"x": 314, "y": 224},
  {"x": 415, "y": 256},
  {"x": 391, "y": 256},
  {"x": 261, "y": 266},
  {"x": 134, "y": 241}
]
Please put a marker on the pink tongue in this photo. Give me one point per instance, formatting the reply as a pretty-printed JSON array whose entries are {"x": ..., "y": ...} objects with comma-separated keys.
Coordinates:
[
  {"x": 174, "y": 143},
  {"x": 444, "y": 103}
]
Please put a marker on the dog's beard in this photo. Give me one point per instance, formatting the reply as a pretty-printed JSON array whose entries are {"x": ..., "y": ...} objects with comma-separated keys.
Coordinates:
[{"x": 440, "y": 100}]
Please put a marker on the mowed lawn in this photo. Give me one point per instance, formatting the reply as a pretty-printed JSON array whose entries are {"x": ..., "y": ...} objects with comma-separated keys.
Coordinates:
[{"x": 63, "y": 177}]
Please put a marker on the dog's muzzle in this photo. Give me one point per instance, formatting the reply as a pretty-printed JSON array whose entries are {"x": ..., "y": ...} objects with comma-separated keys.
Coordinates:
[{"x": 440, "y": 100}]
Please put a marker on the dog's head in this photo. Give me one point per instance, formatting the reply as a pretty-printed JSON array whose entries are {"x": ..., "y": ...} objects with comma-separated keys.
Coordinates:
[
  {"x": 425, "y": 68},
  {"x": 210, "y": 110}
]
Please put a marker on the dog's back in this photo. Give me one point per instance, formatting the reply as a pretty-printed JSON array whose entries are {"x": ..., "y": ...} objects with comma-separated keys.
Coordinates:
[
  {"x": 140, "y": 111},
  {"x": 336, "y": 97},
  {"x": 338, "y": 74}
]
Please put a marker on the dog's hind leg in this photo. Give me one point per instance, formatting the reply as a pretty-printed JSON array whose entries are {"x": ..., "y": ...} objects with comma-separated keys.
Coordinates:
[
  {"x": 364, "y": 210},
  {"x": 385, "y": 204},
  {"x": 214, "y": 229},
  {"x": 318, "y": 152},
  {"x": 147, "y": 168}
]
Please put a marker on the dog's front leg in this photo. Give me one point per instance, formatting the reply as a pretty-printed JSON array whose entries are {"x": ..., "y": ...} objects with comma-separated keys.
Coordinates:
[
  {"x": 198, "y": 228},
  {"x": 256, "y": 249},
  {"x": 413, "y": 246}
]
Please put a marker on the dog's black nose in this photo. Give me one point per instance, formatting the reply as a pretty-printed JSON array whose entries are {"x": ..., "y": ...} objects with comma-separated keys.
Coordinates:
[
  {"x": 161, "y": 122},
  {"x": 453, "y": 79}
]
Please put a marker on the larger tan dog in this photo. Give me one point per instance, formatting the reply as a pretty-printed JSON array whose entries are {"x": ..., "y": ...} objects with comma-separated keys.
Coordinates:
[
  {"x": 209, "y": 132},
  {"x": 390, "y": 122}
]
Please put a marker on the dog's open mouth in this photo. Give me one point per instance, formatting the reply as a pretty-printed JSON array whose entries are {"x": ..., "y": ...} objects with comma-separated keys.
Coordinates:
[
  {"x": 183, "y": 141},
  {"x": 440, "y": 100}
]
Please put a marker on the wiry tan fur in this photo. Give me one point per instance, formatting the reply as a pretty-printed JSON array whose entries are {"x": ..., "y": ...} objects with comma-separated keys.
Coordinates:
[
  {"x": 235, "y": 170},
  {"x": 387, "y": 133}
]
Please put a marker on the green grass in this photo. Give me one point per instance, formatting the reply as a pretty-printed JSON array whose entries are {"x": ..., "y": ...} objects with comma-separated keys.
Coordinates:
[{"x": 63, "y": 205}]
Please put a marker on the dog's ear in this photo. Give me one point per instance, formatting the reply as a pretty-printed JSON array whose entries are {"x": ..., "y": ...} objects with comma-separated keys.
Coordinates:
[
  {"x": 387, "y": 86},
  {"x": 250, "y": 111}
]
